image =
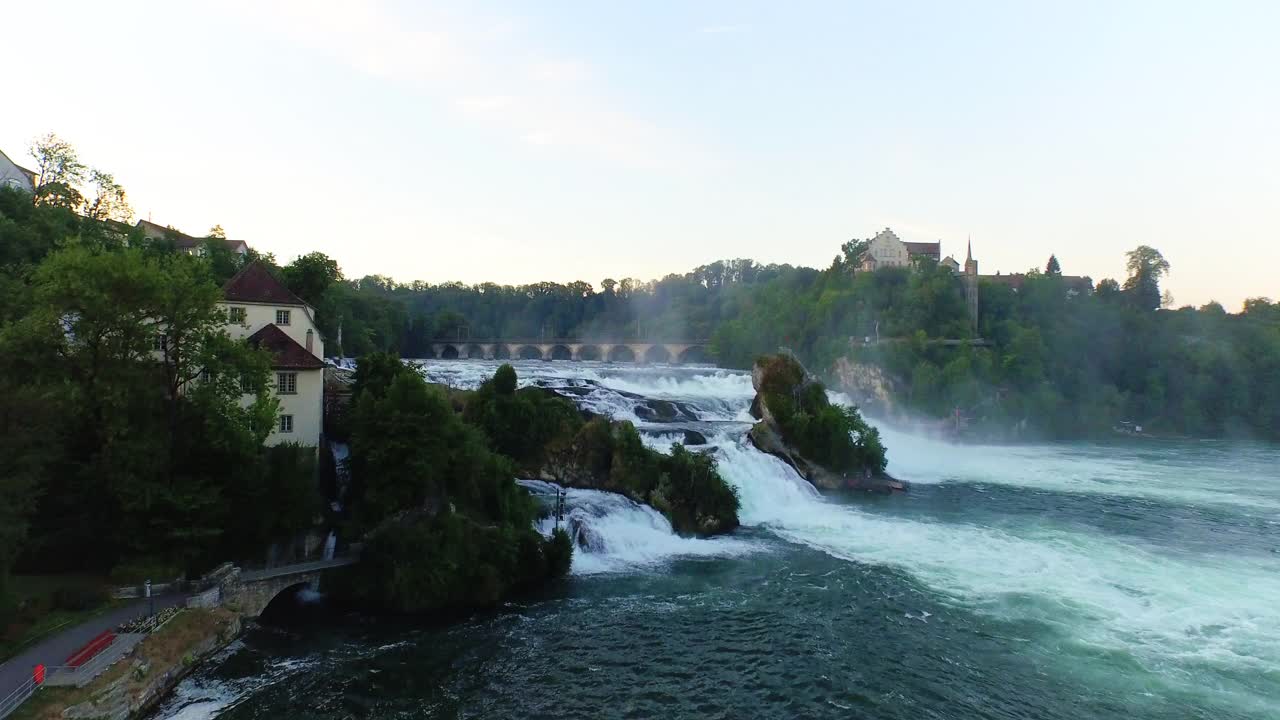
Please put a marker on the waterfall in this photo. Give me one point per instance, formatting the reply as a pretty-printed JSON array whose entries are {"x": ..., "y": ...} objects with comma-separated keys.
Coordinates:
[{"x": 612, "y": 533}]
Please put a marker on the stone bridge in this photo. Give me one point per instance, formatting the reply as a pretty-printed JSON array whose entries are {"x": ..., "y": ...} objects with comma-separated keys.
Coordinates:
[
  {"x": 249, "y": 592},
  {"x": 631, "y": 351}
]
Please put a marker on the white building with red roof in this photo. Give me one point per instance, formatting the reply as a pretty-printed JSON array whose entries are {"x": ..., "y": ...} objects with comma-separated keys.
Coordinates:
[{"x": 262, "y": 309}]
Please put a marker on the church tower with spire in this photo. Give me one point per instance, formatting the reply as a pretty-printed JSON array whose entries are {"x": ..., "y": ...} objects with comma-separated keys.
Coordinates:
[{"x": 970, "y": 281}]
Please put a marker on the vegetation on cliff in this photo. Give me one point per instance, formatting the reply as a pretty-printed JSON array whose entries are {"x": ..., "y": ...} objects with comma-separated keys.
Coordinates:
[
  {"x": 121, "y": 452},
  {"x": 548, "y": 437},
  {"x": 1060, "y": 360},
  {"x": 521, "y": 423},
  {"x": 812, "y": 430},
  {"x": 448, "y": 528},
  {"x": 685, "y": 486}
]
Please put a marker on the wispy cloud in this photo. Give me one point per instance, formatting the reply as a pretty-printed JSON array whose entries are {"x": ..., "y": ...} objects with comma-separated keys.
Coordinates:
[{"x": 491, "y": 71}]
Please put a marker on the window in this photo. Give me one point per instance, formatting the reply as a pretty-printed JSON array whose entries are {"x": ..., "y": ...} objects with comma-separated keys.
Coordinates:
[
  {"x": 161, "y": 342},
  {"x": 282, "y": 317},
  {"x": 246, "y": 383},
  {"x": 286, "y": 423},
  {"x": 286, "y": 383},
  {"x": 206, "y": 375},
  {"x": 237, "y": 315}
]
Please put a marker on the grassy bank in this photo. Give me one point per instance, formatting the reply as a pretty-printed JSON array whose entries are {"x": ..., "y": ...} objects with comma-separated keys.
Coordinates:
[{"x": 145, "y": 675}]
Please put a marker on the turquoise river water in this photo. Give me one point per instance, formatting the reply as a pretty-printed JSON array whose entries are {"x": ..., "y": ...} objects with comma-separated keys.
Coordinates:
[{"x": 1134, "y": 580}]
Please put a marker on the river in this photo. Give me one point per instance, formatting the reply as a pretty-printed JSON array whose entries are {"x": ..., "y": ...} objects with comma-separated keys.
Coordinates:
[{"x": 1139, "y": 579}]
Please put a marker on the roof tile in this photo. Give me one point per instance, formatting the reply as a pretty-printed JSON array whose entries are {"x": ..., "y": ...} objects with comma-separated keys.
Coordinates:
[
  {"x": 286, "y": 353},
  {"x": 254, "y": 283}
]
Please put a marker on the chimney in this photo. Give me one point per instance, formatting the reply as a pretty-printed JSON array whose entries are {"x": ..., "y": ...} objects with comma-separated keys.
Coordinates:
[{"x": 311, "y": 342}]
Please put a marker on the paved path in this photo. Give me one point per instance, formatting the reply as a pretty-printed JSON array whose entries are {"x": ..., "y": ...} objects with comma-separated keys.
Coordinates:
[{"x": 55, "y": 649}]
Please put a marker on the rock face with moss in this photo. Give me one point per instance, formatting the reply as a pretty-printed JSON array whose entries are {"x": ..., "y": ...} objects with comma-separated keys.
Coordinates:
[
  {"x": 549, "y": 438},
  {"x": 684, "y": 486},
  {"x": 831, "y": 446}
]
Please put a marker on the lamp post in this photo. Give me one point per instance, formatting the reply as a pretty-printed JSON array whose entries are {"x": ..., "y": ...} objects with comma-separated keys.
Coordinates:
[{"x": 151, "y": 601}]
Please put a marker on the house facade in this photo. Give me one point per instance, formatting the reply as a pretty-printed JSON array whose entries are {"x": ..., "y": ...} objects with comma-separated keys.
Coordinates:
[
  {"x": 15, "y": 176},
  {"x": 187, "y": 243},
  {"x": 886, "y": 250},
  {"x": 262, "y": 310}
]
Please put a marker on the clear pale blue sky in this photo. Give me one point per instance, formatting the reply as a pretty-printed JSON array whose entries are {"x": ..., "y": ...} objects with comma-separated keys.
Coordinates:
[{"x": 515, "y": 141}]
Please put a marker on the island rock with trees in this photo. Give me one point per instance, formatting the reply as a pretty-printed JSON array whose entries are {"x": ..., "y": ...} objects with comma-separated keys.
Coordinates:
[{"x": 830, "y": 445}]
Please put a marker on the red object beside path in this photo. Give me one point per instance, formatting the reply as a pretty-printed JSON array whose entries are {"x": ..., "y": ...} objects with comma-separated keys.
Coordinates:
[
  {"x": 95, "y": 646},
  {"x": 38, "y": 674}
]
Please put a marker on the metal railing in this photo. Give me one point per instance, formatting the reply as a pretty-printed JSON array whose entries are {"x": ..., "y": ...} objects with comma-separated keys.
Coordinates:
[
  {"x": 67, "y": 675},
  {"x": 17, "y": 697}
]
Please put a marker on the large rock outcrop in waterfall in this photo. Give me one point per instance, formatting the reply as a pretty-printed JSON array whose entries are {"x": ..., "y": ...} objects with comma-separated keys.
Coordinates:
[
  {"x": 829, "y": 445},
  {"x": 551, "y": 439},
  {"x": 684, "y": 486}
]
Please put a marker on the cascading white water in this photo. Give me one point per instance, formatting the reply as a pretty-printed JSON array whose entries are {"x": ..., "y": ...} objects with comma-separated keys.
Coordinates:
[
  {"x": 613, "y": 533},
  {"x": 1160, "y": 604}
]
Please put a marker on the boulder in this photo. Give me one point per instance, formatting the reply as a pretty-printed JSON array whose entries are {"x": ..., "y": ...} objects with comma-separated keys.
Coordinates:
[
  {"x": 799, "y": 396},
  {"x": 693, "y": 437}
]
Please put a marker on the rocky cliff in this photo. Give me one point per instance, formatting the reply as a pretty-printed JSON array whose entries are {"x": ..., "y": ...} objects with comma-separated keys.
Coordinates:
[
  {"x": 830, "y": 446},
  {"x": 869, "y": 386}
]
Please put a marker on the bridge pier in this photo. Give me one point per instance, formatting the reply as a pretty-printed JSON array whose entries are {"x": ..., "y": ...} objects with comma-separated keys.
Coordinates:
[{"x": 541, "y": 349}]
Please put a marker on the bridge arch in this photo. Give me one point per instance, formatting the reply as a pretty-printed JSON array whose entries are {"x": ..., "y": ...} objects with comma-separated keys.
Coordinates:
[
  {"x": 589, "y": 352},
  {"x": 528, "y": 352},
  {"x": 502, "y": 351},
  {"x": 657, "y": 354},
  {"x": 284, "y": 603},
  {"x": 694, "y": 354},
  {"x": 621, "y": 353},
  {"x": 560, "y": 352},
  {"x": 475, "y": 352},
  {"x": 449, "y": 351}
]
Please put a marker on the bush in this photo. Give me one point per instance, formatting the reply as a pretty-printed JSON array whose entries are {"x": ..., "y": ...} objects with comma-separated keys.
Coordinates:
[
  {"x": 504, "y": 380},
  {"x": 697, "y": 497},
  {"x": 449, "y": 562},
  {"x": 685, "y": 486},
  {"x": 558, "y": 550},
  {"x": 520, "y": 424},
  {"x": 832, "y": 436}
]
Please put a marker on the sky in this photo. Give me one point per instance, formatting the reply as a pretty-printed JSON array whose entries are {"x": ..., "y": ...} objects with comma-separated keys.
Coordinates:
[{"x": 524, "y": 141}]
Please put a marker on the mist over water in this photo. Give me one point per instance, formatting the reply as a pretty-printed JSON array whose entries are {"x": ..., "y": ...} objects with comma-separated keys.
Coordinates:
[{"x": 1137, "y": 579}]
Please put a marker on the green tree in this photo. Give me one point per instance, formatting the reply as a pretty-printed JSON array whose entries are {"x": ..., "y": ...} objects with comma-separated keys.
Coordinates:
[
  {"x": 1146, "y": 267},
  {"x": 853, "y": 250},
  {"x": 1052, "y": 267},
  {"x": 59, "y": 172},
  {"x": 311, "y": 275},
  {"x": 109, "y": 200}
]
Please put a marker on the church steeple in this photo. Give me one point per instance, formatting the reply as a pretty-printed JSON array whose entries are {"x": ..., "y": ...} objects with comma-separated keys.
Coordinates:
[
  {"x": 970, "y": 280},
  {"x": 970, "y": 265}
]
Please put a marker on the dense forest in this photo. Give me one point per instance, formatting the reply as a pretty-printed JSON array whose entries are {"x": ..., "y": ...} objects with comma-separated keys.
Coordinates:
[
  {"x": 125, "y": 456},
  {"x": 1056, "y": 361},
  {"x": 105, "y": 472},
  {"x": 133, "y": 426}
]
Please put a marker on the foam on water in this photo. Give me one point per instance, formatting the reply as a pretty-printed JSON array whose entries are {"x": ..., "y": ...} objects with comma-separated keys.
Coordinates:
[
  {"x": 1225, "y": 474},
  {"x": 202, "y": 697},
  {"x": 1186, "y": 616},
  {"x": 612, "y": 533},
  {"x": 1168, "y": 611}
]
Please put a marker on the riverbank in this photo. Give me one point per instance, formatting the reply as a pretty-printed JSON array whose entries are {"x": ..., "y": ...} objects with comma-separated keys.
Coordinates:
[
  {"x": 1058, "y": 581},
  {"x": 134, "y": 685}
]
